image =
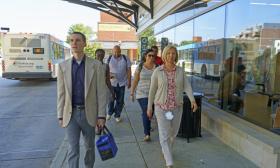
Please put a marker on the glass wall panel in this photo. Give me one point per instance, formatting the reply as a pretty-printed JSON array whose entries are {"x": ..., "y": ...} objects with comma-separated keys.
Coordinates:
[
  {"x": 164, "y": 39},
  {"x": 165, "y": 23},
  {"x": 252, "y": 62},
  {"x": 208, "y": 50},
  {"x": 184, "y": 39},
  {"x": 170, "y": 35},
  {"x": 186, "y": 11},
  {"x": 158, "y": 40},
  {"x": 184, "y": 34},
  {"x": 183, "y": 15},
  {"x": 233, "y": 56},
  {"x": 201, "y": 5}
]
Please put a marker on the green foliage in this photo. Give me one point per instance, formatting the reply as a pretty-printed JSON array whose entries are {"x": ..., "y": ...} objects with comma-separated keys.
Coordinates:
[
  {"x": 87, "y": 31},
  {"x": 91, "y": 48},
  {"x": 151, "y": 39}
]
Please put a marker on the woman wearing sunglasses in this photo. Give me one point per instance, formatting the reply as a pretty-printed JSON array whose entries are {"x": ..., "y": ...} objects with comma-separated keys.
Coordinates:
[{"x": 141, "y": 86}]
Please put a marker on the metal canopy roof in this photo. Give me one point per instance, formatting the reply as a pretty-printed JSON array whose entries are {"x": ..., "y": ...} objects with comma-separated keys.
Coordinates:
[
  {"x": 121, "y": 9},
  {"x": 192, "y": 5}
]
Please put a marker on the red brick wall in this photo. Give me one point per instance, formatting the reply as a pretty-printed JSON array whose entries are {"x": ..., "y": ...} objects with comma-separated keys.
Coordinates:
[
  {"x": 132, "y": 54},
  {"x": 268, "y": 36},
  {"x": 114, "y": 35},
  {"x": 104, "y": 17}
]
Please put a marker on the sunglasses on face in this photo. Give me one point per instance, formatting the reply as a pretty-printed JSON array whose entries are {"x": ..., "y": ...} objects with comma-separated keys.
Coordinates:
[{"x": 150, "y": 55}]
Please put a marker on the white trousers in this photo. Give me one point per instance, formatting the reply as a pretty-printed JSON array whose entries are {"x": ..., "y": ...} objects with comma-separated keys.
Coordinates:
[{"x": 168, "y": 130}]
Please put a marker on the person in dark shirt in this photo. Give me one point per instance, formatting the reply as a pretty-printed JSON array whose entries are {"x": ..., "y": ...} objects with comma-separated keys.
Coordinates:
[
  {"x": 100, "y": 54},
  {"x": 158, "y": 59}
]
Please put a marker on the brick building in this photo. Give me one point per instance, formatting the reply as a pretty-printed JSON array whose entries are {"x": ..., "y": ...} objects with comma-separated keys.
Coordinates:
[{"x": 112, "y": 31}]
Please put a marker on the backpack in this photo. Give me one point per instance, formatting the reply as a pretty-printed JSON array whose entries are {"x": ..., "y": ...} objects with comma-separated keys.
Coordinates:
[{"x": 110, "y": 57}]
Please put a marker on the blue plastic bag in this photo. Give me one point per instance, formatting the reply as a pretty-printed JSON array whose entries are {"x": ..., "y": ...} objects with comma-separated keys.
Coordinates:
[{"x": 106, "y": 145}]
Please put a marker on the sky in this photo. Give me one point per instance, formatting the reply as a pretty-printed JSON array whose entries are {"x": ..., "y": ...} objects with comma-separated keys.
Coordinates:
[{"x": 45, "y": 16}]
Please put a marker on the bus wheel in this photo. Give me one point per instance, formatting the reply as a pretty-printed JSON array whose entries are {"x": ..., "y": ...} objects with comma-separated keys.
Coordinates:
[{"x": 203, "y": 71}]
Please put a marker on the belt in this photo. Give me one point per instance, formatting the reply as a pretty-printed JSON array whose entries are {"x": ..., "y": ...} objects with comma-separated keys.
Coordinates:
[{"x": 78, "y": 107}]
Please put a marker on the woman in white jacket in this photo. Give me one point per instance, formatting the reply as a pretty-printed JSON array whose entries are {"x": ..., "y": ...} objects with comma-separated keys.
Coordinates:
[{"x": 168, "y": 83}]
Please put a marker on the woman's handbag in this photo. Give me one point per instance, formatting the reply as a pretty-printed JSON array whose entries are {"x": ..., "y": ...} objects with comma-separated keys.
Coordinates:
[{"x": 106, "y": 145}]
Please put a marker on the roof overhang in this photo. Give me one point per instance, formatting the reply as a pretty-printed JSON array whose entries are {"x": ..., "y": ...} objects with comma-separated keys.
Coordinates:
[{"x": 125, "y": 10}]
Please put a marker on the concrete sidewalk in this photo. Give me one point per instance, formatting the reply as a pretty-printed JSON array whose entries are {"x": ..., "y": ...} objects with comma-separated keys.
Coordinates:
[{"x": 133, "y": 152}]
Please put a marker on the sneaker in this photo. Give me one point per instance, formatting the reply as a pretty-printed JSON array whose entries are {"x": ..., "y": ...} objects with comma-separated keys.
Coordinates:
[
  {"x": 118, "y": 119},
  {"x": 147, "y": 138},
  {"x": 108, "y": 117}
]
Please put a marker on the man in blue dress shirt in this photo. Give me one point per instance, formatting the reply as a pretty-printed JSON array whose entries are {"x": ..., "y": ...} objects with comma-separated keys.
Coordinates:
[{"x": 81, "y": 100}]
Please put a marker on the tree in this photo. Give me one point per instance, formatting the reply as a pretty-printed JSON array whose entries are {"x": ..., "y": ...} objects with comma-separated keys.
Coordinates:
[
  {"x": 149, "y": 32},
  {"x": 87, "y": 31},
  {"x": 91, "y": 48},
  {"x": 151, "y": 38}
]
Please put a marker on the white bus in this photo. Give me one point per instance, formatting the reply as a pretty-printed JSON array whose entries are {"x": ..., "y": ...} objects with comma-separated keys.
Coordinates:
[
  {"x": 207, "y": 59},
  {"x": 30, "y": 56}
]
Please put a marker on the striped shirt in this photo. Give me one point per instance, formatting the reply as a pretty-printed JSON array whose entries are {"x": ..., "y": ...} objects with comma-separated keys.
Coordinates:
[{"x": 143, "y": 87}]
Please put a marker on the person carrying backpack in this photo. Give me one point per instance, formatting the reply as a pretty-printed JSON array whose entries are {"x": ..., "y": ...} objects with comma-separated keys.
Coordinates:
[{"x": 120, "y": 76}]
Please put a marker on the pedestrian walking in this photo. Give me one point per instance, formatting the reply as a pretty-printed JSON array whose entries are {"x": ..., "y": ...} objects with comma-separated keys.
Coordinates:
[
  {"x": 168, "y": 83},
  {"x": 81, "y": 100},
  {"x": 110, "y": 95},
  {"x": 120, "y": 76},
  {"x": 141, "y": 86}
]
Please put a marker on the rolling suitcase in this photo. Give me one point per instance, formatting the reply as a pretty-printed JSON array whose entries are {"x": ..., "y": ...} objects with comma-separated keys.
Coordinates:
[{"x": 191, "y": 122}]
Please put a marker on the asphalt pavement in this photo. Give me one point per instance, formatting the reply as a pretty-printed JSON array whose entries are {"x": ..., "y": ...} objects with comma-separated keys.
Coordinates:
[{"x": 29, "y": 131}]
